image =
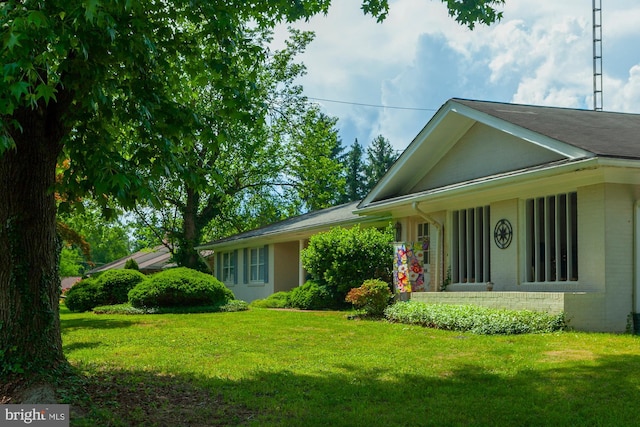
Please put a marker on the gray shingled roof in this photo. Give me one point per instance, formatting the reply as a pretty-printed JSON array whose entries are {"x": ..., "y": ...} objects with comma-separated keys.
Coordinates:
[
  {"x": 321, "y": 219},
  {"x": 605, "y": 134},
  {"x": 147, "y": 259}
]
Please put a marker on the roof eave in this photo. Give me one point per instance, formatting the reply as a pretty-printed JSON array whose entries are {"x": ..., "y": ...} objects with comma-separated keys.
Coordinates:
[
  {"x": 461, "y": 189},
  {"x": 293, "y": 234}
]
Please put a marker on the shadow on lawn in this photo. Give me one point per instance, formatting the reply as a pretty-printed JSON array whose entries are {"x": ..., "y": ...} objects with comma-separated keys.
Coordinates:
[
  {"x": 600, "y": 392},
  {"x": 94, "y": 323}
]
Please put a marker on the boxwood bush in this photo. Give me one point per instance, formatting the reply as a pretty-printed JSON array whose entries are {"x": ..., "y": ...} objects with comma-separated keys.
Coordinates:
[
  {"x": 180, "y": 287},
  {"x": 84, "y": 295},
  {"x": 277, "y": 300},
  {"x": 311, "y": 296},
  {"x": 110, "y": 287},
  {"x": 116, "y": 284},
  {"x": 475, "y": 319}
]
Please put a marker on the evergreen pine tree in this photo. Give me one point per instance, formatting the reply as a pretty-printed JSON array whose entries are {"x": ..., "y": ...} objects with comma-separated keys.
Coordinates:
[
  {"x": 380, "y": 157},
  {"x": 355, "y": 179}
]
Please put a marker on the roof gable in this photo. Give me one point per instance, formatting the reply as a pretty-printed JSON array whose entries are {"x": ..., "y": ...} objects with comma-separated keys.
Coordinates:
[
  {"x": 482, "y": 151},
  {"x": 458, "y": 142}
]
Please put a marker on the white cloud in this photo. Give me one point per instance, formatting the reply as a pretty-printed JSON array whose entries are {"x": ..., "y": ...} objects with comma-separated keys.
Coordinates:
[
  {"x": 625, "y": 95},
  {"x": 541, "y": 53}
]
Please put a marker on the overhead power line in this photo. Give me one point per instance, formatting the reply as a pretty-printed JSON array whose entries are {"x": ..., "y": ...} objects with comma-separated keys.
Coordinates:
[{"x": 371, "y": 105}]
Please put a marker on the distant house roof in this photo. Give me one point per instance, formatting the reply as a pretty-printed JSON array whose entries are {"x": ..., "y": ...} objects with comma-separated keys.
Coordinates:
[
  {"x": 604, "y": 134},
  {"x": 68, "y": 282},
  {"x": 302, "y": 225},
  {"x": 149, "y": 260}
]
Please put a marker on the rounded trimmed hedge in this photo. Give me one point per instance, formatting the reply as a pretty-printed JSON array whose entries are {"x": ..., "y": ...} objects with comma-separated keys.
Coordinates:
[
  {"x": 84, "y": 295},
  {"x": 311, "y": 296},
  {"x": 116, "y": 285},
  {"x": 107, "y": 288},
  {"x": 180, "y": 287}
]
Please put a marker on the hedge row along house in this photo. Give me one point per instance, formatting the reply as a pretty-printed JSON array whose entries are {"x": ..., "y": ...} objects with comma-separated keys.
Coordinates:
[{"x": 508, "y": 205}]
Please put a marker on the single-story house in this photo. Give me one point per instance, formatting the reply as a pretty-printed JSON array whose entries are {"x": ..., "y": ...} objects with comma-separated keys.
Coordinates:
[
  {"x": 151, "y": 260},
  {"x": 261, "y": 262},
  {"x": 67, "y": 282},
  {"x": 540, "y": 205}
]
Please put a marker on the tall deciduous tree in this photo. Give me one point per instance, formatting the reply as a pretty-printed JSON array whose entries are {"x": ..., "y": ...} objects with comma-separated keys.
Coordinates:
[
  {"x": 317, "y": 174},
  {"x": 236, "y": 160},
  {"x": 81, "y": 80}
]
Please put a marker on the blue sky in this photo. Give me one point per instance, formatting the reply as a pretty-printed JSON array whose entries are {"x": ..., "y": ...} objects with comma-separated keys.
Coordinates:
[{"x": 540, "y": 53}]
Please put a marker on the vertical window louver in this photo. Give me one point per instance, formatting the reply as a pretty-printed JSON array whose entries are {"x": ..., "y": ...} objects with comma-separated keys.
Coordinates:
[
  {"x": 471, "y": 245},
  {"x": 552, "y": 238}
]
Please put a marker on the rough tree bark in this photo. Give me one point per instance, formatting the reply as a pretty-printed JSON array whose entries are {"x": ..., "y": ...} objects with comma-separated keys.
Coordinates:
[
  {"x": 190, "y": 232},
  {"x": 30, "y": 337}
]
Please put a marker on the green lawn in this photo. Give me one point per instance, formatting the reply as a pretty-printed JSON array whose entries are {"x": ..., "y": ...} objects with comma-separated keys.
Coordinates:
[{"x": 287, "y": 368}]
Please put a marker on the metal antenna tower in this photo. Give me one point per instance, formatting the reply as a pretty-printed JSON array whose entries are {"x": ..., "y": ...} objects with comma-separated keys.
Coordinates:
[{"x": 597, "y": 55}]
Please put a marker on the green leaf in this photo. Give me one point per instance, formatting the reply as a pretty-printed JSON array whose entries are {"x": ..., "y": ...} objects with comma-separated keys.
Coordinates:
[
  {"x": 19, "y": 89},
  {"x": 46, "y": 92},
  {"x": 91, "y": 9},
  {"x": 13, "y": 41},
  {"x": 37, "y": 18}
]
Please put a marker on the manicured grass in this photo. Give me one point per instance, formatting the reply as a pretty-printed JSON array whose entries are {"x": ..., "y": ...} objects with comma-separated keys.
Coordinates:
[{"x": 288, "y": 368}]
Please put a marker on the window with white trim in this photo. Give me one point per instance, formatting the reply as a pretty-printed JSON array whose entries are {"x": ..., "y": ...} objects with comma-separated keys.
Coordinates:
[
  {"x": 228, "y": 267},
  {"x": 552, "y": 238},
  {"x": 257, "y": 264},
  {"x": 470, "y": 254},
  {"x": 424, "y": 238}
]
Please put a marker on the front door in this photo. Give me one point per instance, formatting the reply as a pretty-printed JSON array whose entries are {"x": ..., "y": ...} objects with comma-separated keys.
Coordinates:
[{"x": 424, "y": 242}]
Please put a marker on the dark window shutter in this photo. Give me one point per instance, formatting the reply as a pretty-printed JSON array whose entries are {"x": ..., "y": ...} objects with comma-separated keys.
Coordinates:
[
  {"x": 218, "y": 268},
  {"x": 246, "y": 265},
  {"x": 266, "y": 263},
  {"x": 235, "y": 266}
]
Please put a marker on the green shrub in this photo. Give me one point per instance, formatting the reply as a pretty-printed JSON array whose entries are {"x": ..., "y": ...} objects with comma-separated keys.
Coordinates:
[
  {"x": 131, "y": 264},
  {"x": 277, "y": 300},
  {"x": 342, "y": 258},
  {"x": 372, "y": 297},
  {"x": 116, "y": 284},
  {"x": 234, "y": 305},
  {"x": 180, "y": 287},
  {"x": 311, "y": 296},
  {"x": 84, "y": 295},
  {"x": 125, "y": 308},
  {"x": 110, "y": 287},
  {"x": 475, "y": 319}
]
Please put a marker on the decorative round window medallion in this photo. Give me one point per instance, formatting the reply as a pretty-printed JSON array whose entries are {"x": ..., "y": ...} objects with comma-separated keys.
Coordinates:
[{"x": 503, "y": 233}]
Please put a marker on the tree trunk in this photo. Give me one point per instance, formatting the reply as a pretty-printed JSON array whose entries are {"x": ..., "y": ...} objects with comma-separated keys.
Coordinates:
[
  {"x": 190, "y": 238},
  {"x": 30, "y": 339}
]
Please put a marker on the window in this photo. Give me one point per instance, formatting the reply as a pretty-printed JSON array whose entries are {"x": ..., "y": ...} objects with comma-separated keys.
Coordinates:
[
  {"x": 470, "y": 245},
  {"x": 552, "y": 238},
  {"x": 257, "y": 264},
  {"x": 424, "y": 238},
  {"x": 228, "y": 267}
]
